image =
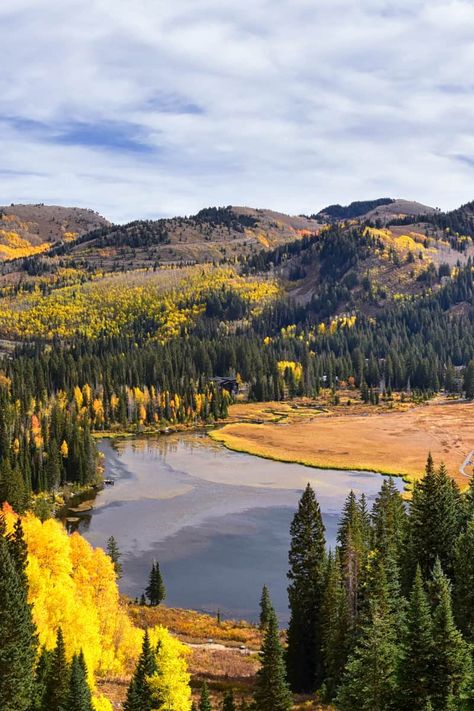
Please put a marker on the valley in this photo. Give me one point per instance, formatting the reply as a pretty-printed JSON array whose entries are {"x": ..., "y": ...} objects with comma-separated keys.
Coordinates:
[{"x": 242, "y": 380}]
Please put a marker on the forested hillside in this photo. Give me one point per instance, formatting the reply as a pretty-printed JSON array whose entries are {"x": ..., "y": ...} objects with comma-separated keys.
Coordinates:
[{"x": 165, "y": 324}]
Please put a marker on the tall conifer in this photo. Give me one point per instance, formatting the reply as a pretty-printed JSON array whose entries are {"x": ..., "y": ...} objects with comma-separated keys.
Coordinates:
[
  {"x": 17, "y": 636},
  {"x": 370, "y": 679},
  {"x": 418, "y": 650},
  {"x": 451, "y": 660},
  {"x": 464, "y": 581},
  {"x": 79, "y": 696},
  {"x": 336, "y": 627},
  {"x": 307, "y": 558},
  {"x": 271, "y": 688},
  {"x": 57, "y": 687},
  {"x": 436, "y": 519},
  {"x": 265, "y": 608},
  {"x": 139, "y": 696}
]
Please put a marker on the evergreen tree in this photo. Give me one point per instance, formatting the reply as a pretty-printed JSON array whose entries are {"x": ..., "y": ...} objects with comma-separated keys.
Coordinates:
[
  {"x": 41, "y": 680},
  {"x": 336, "y": 631},
  {"x": 19, "y": 551},
  {"x": 418, "y": 649},
  {"x": 389, "y": 519},
  {"x": 139, "y": 696},
  {"x": 464, "y": 581},
  {"x": 353, "y": 544},
  {"x": 17, "y": 636},
  {"x": 155, "y": 591},
  {"x": 265, "y": 608},
  {"x": 271, "y": 688},
  {"x": 468, "y": 383},
  {"x": 451, "y": 661},
  {"x": 115, "y": 555},
  {"x": 79, "y": 696},
  {"x": 370, "y": 679},
  {"x": 57, "y": 686},
  {"x": 228, "y": 703},
  {"x": 436, "y": 519},
  {"x": 205, "y": 699},
  {"x": 307, "y": 558}
]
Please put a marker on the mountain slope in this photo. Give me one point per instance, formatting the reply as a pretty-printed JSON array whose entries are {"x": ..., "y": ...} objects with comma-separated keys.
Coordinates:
[
  {"x": 31, "y": 229},
  {"x": 213, "y": 234}
]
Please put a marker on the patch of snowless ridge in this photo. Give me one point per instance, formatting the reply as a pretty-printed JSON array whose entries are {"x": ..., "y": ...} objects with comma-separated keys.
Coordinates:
[
  {"x": 48, "y": 223},
  {"x": 400, "y": 207}
]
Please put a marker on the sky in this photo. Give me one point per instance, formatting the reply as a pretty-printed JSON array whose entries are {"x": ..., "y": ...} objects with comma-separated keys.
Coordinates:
[{"x": 151, "y": 108}]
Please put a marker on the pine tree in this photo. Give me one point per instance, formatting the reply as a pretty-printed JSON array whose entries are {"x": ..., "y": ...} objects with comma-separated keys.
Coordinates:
[
  {"x": 205, "y": 699},
  {"x": 265, "y": 608},
  {"x": 271, "y": 688},
  {"x": 353, "y": 544},
  {"x": 41, "y": 680},
  {"x": 464, "y": 581},
  {"x": 79, "y": 696},
  {"x": 336, "y": 630},
  {"x": 155, "y": 591},
  {"x": 115, "y": 555},
  {"x": 389, "y": 519},
  {"x": 17, "y": 636},
  {"x": 468, "y": 384},
  {"x": 139, "y": 696},
  {"x": 435, "y": 522},
  {"x": 228, "y": 703},
  {"x": 307, "y": 558},
  {"x": 57, "y": 687},
  {"x": 19, "y": 551},
  {"x": 370, "y": 678},
  {"x": 418, "y": 649},
  {"x": 451, "y": 661}
]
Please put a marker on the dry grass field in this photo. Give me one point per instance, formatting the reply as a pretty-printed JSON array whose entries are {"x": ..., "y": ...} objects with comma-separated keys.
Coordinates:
[
  {"x": 215, "y": 655},
  {"x": 395, "y": 441}
]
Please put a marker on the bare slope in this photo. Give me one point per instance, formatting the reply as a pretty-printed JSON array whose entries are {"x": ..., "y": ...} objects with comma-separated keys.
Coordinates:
[{"x": 31, "y": 229}]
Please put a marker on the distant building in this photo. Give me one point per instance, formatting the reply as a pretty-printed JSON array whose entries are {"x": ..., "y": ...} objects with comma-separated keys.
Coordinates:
[{"x": 229, "y": 384}]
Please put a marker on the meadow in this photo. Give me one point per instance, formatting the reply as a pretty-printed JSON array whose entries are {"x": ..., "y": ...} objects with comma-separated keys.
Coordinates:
[{"x": 387, "y": 441}]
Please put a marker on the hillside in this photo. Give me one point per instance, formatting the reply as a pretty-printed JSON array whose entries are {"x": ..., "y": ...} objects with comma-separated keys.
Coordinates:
[
  {"x": 213, "y": 234},
  {"x": 382, "y": 208},
  {"x": 31, "y": 229}
]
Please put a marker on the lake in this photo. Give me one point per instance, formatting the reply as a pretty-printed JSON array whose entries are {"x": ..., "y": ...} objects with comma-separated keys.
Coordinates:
[{"x": 216, "y": 520}]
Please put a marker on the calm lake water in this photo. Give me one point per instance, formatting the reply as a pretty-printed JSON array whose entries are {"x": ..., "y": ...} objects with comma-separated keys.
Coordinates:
[{"x": 217, "y": 521}]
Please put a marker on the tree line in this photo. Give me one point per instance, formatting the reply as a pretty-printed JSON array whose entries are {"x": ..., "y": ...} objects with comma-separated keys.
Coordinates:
[{"x": 386, "y": 620}]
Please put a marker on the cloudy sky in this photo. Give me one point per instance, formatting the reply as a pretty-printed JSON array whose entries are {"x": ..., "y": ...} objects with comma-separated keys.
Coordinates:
[{"x": 143, "y": 108}]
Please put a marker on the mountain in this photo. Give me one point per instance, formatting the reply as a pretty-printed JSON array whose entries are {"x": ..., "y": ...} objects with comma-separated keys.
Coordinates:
[
  {"x": 212, "y": 235},
  {"x": 384, "y": 209},
  {"x": 31, "y": 229}
]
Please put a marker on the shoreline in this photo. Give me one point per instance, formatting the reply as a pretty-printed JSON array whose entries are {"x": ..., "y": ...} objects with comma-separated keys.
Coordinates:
[{"x": 248, "y": 449}]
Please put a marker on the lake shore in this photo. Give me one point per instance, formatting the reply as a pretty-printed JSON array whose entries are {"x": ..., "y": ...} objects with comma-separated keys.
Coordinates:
[{"x": 395, "y": 443}]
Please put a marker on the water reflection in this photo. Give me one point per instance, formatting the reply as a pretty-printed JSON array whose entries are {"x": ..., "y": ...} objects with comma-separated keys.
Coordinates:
[{"x": 216, "y": 520}]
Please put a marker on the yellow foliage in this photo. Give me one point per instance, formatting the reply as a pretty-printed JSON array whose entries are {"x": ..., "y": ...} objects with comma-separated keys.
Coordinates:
[
  {"x": 171, "y": 301},
  {"x": 14, "y": 246},
  {"x": 171, "y": 682},
  {"x": 340, "y": 322},
  {"x": 73, "y": 586},
  {"x": 296, "y": 368},
  {"x": 100, "y": 703}
]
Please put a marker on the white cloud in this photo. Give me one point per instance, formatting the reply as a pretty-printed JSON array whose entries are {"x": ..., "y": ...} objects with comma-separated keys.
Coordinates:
[{"x": 289, "y": 104}]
